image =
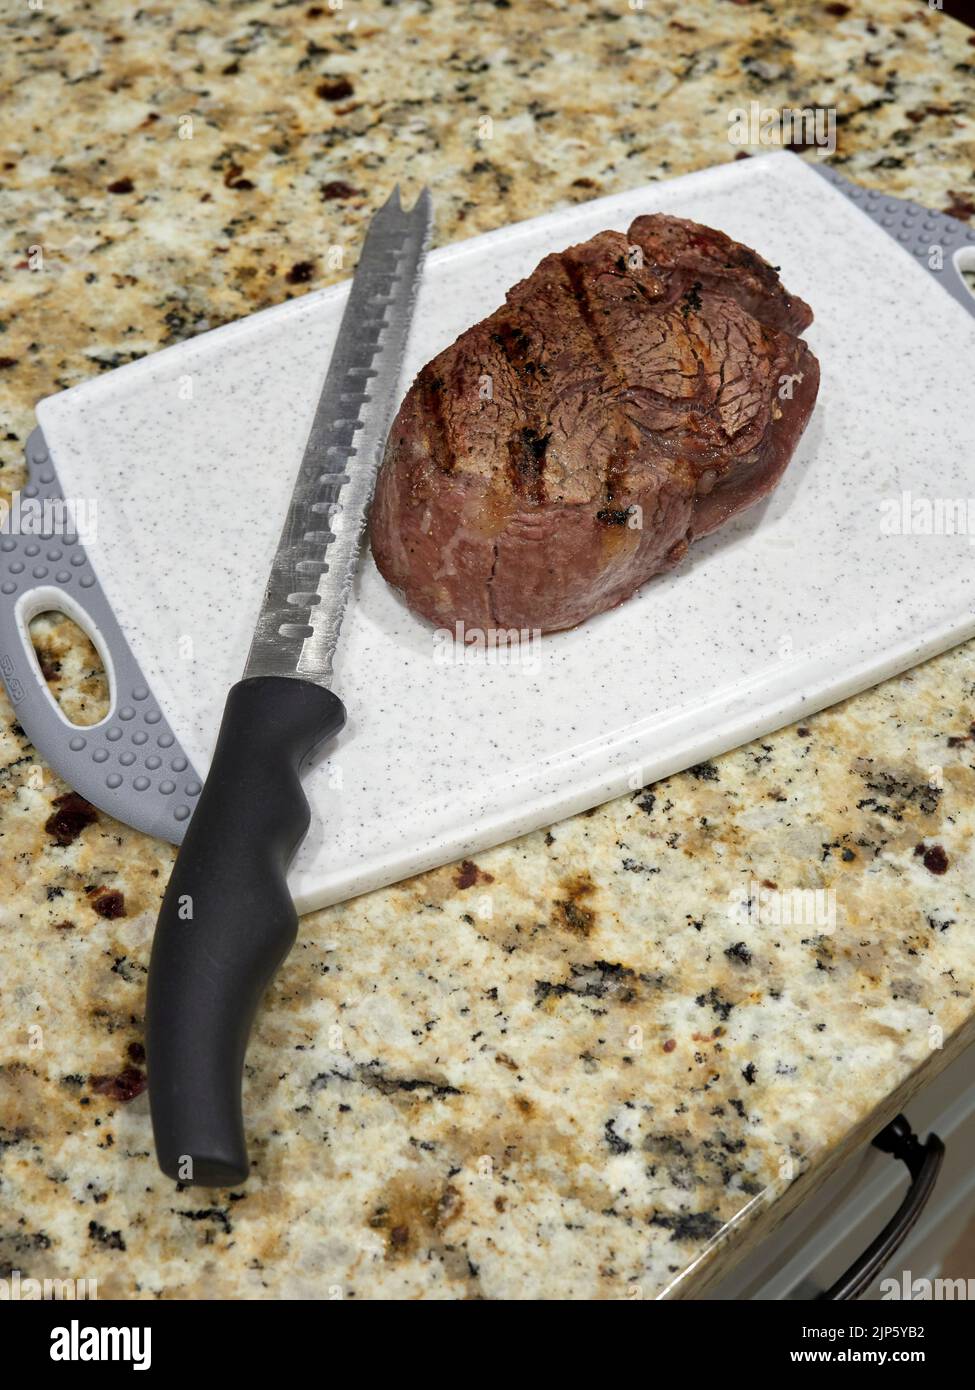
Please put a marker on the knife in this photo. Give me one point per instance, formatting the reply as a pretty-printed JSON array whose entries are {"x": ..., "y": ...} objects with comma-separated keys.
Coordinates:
[{"x": 227, "y": 920}]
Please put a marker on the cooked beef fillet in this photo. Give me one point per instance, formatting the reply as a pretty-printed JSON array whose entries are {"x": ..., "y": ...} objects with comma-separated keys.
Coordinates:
[{"x": 631, "y": 395}]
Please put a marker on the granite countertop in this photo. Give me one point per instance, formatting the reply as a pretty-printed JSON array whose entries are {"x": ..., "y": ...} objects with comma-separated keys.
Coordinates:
[{"x": 563, "y": 1070}]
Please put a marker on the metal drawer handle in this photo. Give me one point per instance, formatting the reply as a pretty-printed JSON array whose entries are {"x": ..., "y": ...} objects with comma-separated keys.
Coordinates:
[{"x": 923, "y": 1162}]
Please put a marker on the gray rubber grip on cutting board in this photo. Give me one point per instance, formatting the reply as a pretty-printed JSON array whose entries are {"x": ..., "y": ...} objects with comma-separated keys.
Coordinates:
[
  {"x": 927, "y": 235},
  {"x": 130, "y": 764}
]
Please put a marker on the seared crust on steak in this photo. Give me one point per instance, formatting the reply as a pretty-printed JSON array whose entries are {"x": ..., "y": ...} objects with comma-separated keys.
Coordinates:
[{"x": 633, "y": 393}]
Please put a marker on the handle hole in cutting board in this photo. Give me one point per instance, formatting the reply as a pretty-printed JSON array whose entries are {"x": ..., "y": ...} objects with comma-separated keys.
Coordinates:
[
  {"x": 71, "y": 666},
  {"x": 965, "y": 265}
]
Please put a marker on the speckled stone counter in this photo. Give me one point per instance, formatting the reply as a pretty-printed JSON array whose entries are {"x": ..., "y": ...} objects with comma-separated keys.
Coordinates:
[{"x": 567, "y": 1070}]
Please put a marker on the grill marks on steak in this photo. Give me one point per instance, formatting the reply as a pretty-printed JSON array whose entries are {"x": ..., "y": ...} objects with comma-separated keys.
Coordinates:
[
  {"x": 603, "y": 348},
  {"x": 618, "y": 381},
  {"x": 528, "y": 444},
  {"x": 526, "y": 463},
  {"x": 430, "y": 388}
]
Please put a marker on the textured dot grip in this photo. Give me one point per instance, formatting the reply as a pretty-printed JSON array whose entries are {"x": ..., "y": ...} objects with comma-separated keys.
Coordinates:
[{"x": 227, "y": 922}]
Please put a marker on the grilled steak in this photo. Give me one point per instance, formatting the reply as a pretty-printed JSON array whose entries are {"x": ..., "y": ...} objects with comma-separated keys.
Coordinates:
[{"x": 633, "y": 393}]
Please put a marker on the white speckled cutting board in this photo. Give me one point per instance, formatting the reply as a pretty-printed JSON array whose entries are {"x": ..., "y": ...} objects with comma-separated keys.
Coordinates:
[{"x": 806, "y": 599}]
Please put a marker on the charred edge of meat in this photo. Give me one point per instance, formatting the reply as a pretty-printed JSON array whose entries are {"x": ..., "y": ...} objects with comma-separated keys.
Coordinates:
[
  {"x": 515, "y": 343},
  {"x": 615, "y": 476},
  {"x": 692, "y": 299},
  {"x": 609, "y": 516}
]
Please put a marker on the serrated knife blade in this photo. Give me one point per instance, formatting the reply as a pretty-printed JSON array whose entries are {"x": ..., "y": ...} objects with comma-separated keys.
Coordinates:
[
  {"x": 227, "y": 920},
  {"x": 318, "y": 553}
]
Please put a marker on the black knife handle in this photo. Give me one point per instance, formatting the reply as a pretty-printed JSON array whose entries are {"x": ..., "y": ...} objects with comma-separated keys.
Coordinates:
[{"x": 227, "y": 922}]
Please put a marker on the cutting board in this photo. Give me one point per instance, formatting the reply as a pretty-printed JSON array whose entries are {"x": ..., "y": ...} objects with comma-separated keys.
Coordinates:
[{"x": 811, "y": 596}]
